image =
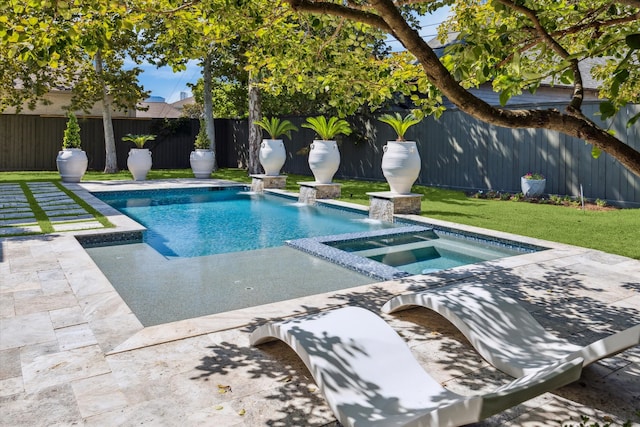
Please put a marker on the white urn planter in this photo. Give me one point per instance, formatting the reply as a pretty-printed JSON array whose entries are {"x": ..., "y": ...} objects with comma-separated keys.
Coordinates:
[
  {"x": 532, "y": 187},
  {"x": 202, "y": 161},
  {"x": 272, "y": 156},
  {"x": 72, "y": 164},
  {"x": 401, "y": 165},
  {"x": 139, "y": 163},
  {"x": 324, "y": 160}
]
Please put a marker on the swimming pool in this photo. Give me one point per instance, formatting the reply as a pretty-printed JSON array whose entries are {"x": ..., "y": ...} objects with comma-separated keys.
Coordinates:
[
  {"x": 409, "y": 250},
  {"x": 213, "y": 250},
  {"x": 208, "y": 221}
]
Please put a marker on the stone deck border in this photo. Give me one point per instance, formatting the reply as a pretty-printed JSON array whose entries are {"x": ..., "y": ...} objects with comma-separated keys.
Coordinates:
[{"x": 72, "y": 353}]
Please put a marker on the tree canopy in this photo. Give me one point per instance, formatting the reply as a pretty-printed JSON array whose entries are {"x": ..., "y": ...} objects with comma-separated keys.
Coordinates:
[
  {"x": 517, "y": 45},
  {"x": 334, "y": 50}
]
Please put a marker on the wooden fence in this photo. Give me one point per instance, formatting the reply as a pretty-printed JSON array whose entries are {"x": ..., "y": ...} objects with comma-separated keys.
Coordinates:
[{"x": 457, "y": 151}]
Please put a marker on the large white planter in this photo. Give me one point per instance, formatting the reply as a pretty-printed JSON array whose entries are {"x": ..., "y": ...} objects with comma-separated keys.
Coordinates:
[
  {"x": 72, "y": 164},
  {"x": 202, "y": 161},
  {"x": 139, "y": 163},
  {"x": 401, "y": 165},
  {"x": 272, "y": 156},
  {"x": 324, "y": 160},
  {"x": 532, "y": 187}
]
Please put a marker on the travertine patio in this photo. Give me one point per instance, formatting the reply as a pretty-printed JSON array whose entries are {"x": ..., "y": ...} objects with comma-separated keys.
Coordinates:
[{"x": 72, "y": 353}]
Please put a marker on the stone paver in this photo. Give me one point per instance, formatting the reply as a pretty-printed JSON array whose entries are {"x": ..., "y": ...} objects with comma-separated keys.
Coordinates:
[
  {"x": 16, "y": 216},
  {"x": 72, "y": 353}
]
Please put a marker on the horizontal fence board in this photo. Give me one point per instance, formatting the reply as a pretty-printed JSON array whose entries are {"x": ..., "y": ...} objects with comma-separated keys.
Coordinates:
[{"x": 457, "y": 151}]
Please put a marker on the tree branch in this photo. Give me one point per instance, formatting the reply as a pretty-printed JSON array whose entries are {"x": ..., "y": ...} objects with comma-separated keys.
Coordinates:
[
  {"x": 578, "y": 87},
  {"x": 570, "y": 124},
  {"x": 632, "y": 3},
  {"x": 339, "y": 10},
  {"x": 573, "y": 30}
]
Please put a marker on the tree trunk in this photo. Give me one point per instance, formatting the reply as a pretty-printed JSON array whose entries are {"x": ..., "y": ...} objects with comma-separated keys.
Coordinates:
[
  {"x": 255, "y": 133},
  {"x": 111, "y": 160},
  {"x": 208, "y": 107}
]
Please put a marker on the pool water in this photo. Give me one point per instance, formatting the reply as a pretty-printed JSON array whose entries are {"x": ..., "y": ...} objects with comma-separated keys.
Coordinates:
[
  {"x": 212, "y": 250},
  {"x": 426, "y": 252},
  {"x": 208, "y": 221}
]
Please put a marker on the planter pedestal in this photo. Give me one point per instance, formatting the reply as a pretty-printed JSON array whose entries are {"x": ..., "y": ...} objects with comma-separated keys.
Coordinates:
[
  {"x": 311, "y": 191},
  {"x": 260, "y": 182},
  {"x": 383, "y": 205}
]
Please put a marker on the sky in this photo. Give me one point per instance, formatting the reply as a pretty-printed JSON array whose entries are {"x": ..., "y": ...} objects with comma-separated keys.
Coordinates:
[{"x": 165, "y": 83}]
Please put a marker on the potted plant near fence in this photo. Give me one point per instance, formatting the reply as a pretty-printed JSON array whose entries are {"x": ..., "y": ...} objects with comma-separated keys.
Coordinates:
[
  {"x": 71, "y": 160},
  {"x": 139, "y": 161},
  {"x": 272, "y": 154},
  {"x": 202, "y": 159},
  {"x": 401, "y": 160},
  {"x": 324, "y": 156},
  {"x": 532, "y": 184}
]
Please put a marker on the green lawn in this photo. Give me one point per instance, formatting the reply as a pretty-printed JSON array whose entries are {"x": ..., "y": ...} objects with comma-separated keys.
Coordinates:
[{"x": 613, "y": 231}]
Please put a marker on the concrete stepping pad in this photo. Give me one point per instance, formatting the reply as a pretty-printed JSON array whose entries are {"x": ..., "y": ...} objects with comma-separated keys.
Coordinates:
[
  {"x": 16, "y": 214},
  {"x": 32, "y": 229},
  {"x": 68, "y": 218},
  {"x": 72, "y": 226},
  {"x": 59, "y": 201},
  {"x": 18, "y": 221},
  {"x": 77, "y": 210}
]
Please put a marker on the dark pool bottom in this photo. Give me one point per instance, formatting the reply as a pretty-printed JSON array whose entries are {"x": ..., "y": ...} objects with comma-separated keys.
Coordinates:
[{"x": 160, "y": 290}]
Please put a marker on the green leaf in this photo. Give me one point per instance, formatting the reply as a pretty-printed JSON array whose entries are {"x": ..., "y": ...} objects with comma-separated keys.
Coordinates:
[
  {"x": 619, "y": 78},
  {"x": 567, "y": 77},
  {"x": 607, "y": 110},
  {"x": 504, "y": 97},
  {"x": 595, "y": 152},
  {"x": 633, "y": 41}
]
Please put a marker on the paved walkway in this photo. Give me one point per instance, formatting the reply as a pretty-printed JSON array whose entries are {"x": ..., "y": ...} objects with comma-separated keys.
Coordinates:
[
  {"x": 62, "y": 212},
  {"x": 72, "y": 353}
]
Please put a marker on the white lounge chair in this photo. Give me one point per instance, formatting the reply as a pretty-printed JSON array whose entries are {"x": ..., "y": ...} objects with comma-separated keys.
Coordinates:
[
  {"x": 503, "y": 332},
  {"x": 370, "y": 378}
]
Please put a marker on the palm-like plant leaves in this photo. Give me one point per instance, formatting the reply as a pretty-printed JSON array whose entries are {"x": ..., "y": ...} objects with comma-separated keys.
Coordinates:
[
  {"x": 399, "y": 124},
  {"x": 276, "y": 127},
  {"x": 139, "y": 140},
  {"x": 328, "y": 129}
]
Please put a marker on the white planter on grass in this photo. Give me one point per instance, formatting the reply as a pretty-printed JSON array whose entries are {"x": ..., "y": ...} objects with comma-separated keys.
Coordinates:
[
  {"x": 72, "y": 164},
  {"x": 139, "y": 163},
  {"x": 532, "y": 187},
  {"x": 202, "y": 161}
]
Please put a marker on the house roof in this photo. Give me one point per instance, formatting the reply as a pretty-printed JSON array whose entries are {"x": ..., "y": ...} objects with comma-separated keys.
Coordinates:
[
  {"x": 158, "y": 108},
  {"x": 585, "y": 65},
  {"x": 550, "y": 91}
]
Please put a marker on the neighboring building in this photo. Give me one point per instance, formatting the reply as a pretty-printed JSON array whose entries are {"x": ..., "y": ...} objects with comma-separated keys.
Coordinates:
[
  {"x": 156, "y": 107},
  {"x": 548, "y": 92},
  {"x": 57, "y": 99}
]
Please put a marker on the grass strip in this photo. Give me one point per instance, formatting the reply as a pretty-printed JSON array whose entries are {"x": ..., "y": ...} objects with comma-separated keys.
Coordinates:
[
  {"x": 96, "y": 214},
  {"x": 38, "y": 212}
]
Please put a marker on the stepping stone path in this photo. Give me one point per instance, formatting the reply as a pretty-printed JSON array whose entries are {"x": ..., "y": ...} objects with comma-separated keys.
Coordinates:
[{"x": 64, "y": 214}]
